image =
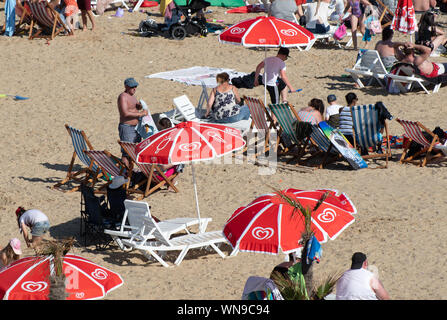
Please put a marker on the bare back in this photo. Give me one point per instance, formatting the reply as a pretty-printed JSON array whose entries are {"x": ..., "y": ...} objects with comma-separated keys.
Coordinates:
[{"x": 127, "y": 104}]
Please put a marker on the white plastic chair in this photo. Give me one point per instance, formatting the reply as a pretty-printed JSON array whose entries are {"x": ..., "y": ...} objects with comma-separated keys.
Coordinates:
[
  {"x": 134, "y": 213},
  {"x": 369, "y": 65}
]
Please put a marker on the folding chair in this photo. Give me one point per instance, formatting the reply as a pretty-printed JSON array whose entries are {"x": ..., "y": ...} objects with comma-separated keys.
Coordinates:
[
  {"x": 110, "y": 166},
  {"x": 369, "y": 65},
  {"x": 25, "y": 17},
  {"x": 385, "y": 13},
  {"x": 324, "y": 146},
  {"x": 163, "y": 243},
  {"x": 405, "y": 76},
  {"x": 47, "y": 19},
  {"x": 132, "y": 222},
  {"x": 366, "y": 131},
  {"x": 413, "y": 130},
  {"x": 152, "y": 172},
  {"x": 80, "y": 143},
  {"x": 261, "y": 123}
]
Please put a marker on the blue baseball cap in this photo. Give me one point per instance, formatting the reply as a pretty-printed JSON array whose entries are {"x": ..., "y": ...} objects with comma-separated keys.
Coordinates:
[
  {"x": 331, "y": 98},
  {"x": 131, "y": 83}
]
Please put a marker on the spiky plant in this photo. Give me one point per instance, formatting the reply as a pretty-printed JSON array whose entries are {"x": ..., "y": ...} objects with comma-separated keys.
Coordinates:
[
  {"x": 307, "y": 234},
  {"x": 57, "y": 249},
  {"x": 326, "y": 287}
]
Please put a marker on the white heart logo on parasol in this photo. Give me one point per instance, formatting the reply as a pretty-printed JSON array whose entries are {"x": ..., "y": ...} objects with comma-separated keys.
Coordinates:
[
  {"x": 328, "y": 215},
  {"x": 99, "y": 274},
  {"x": 32, "y": 286},
  {"x": 261, "y": 233},
  {"x": 289, "y": 32},
  {"x": 190, "y": 146},
  {"x": 215, "y": 135},
  {"x": 79, "y": 295},
  {"x": 237, "y": 30}
]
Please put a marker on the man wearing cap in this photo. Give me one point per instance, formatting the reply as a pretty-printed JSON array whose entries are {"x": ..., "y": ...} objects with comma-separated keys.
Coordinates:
[
  {"x": 358, "y": 283},
  {"x": 275, "y": 76},
  {"x": 332, "y": 115},
  {"x": 130, "y": 111}
]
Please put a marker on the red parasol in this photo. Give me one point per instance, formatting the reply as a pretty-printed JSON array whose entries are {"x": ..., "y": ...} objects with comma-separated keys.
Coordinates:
[
  {"x": 404, "y": 19},
  {"x": 28, "y": 279},
  {"x": 270, "y": 223}
]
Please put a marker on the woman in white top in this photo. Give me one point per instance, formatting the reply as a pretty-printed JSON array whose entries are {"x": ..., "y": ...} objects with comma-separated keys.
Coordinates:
[
  {"x": 317, "y": 14},
  {"x": 35, "y": 220}
]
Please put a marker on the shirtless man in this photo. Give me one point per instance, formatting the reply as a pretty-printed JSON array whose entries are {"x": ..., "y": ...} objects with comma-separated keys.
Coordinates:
[
  {"x": 129, "y": 109},
  {"x": 386, "y": 48},
  {"x": 426, "y": 68}
]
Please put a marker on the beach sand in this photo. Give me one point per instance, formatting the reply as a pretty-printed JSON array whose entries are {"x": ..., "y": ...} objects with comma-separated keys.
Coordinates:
[{"x": 400, "y": 223}]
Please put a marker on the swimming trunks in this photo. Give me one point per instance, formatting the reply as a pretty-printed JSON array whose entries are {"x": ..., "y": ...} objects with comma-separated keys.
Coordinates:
[{"x": 438, "y": 69}]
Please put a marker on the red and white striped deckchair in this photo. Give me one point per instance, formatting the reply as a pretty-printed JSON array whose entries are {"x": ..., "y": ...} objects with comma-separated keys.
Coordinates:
[
  {"x": 152, "y": 172},
  {"x": 47, "y": 19},
  {"x": 262, "y": 123},
  {"x": 110, "y": 165},
  {"x": 414, "y": 133}
]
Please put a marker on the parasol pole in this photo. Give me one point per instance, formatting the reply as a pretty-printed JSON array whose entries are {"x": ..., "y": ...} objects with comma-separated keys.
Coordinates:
[
  {"x": 265, "y": 77},
  {"x": 195, "y": 195}
]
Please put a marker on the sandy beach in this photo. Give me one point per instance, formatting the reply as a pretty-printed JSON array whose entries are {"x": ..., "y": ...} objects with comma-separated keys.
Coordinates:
[{"x": 76, "y": 80}]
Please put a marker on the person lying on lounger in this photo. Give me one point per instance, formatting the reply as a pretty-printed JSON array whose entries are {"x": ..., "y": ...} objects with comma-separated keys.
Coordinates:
[{"x": 420, "y": 60}]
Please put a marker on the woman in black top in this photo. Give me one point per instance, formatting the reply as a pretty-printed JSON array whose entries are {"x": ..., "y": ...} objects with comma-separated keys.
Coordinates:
[{"x": 428, "y": 33}]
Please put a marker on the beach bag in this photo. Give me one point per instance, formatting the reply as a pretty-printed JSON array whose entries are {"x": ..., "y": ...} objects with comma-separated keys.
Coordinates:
[
  {"x": 340, "y": 33},
  {"x": 375, "y": 27}
]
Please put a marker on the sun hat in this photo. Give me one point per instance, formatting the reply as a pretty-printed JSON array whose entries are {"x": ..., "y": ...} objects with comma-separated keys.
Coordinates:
[
  {"x": 117, "y": 182},
  {"x": 15, "y": 245},
  {"x": 357, "y": 260},
  {"x": 285, "y": 51},
  {"x": 331, "y": 98},
  {"x": 131, "y": 83}
]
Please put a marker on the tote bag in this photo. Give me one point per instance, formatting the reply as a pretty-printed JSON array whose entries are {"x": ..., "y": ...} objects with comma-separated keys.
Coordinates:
[{"x": 340, "y": 33}]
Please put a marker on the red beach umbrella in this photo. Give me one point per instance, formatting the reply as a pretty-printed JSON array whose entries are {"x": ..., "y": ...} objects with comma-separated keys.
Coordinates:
[
  {"x": 28, "y": 279},
  {"x": 270, "y": 223},
  {"x": 404, "y": 19},
  {"x": 189, "y": 141},
  {"x": 267, "y": 32}
]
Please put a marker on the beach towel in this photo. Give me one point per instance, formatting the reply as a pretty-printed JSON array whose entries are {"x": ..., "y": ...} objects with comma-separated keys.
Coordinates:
[
  {"x": 10, "y": 17},
  {"x": 196, "y": 75}
]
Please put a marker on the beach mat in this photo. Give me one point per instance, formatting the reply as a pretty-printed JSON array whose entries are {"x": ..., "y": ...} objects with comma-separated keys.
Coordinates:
[{"x": 247, "y": 9}]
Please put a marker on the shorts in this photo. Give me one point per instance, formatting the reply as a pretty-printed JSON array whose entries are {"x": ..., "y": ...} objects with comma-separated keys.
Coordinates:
[
  {"x": 275, "y": 91},
  {"x": 39, "y": 228},
  {"x": 128, "y": 134},
  {"x": 84, "y": 5},
  {"x": 300, "y": 2}
]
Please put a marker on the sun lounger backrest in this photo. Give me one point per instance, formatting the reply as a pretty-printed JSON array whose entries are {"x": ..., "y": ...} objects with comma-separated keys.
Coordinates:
[
  {"x": 414, "y": 132},
  {"x": 370, "y": 61},
  {"x": 129, "y": 147},
  {"x": 366, "y": 125},
  {"x": 186, "y": 108},
  {"x": 136, "y": 211},
  {"x": 285, "y": 118},
  {"x": 79, "y": 145},
  {"x": 105, "y": 162},
  {"x": 257, "y": 113},
  {"x": 150, "y": 224}
]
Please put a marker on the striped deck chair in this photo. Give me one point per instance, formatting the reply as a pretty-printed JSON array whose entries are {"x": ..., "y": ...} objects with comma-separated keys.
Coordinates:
[
  {"x": 152, "y": 172},
  {"x": 262, "y": 122},
  {"x": 319, "y": 139},
  {"x": 48, "y": 20},
  {"x": 286, "y": 117},
  {"x": 108, "y": 164},
  {"x": 80, "y": 143},
  {"x": 366, "y": 131},
  {"x": 413, "y": 130},
  {"x": 24, "y": 12}
]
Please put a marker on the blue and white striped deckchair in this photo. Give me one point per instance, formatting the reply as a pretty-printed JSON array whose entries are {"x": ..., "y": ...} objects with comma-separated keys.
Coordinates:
[
  {"x": 366, "y": 131},
  {"x": 319, "y": 139},
  {"x": 108, "y": 163},
  {"x": 80, "y": 143}
]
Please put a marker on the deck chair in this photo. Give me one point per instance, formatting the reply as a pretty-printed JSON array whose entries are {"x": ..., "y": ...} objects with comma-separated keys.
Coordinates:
[
  {"x": 25, "y": 17},
  {"x": 110, "y": 166},
  {"x": 287, "y": 117},
  {"x": 48, "y": 20},
  {"x": 132, "y": 222},
  {"x": 366, "y": 131},
  {"x": 385, "y": 13},
  {"x": 163, "y": 243},
  {"x": 186, "y": 111},
  {"x": 324, "y": 146},
  {"x": 203, "y": 99},
  {"x": 80, "y": 143},
  {"x": 405, "y": 78},
  {"x": 369, "y": 65},
  {"x": 413, "y": 130},
  {"x": 262, "y": 122},
  {"x": 152, "y": 172}
]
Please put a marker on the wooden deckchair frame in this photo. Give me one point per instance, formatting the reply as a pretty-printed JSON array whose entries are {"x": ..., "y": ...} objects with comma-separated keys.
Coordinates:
[
  {"x": 52, "y": 15},
  {"x": 426, "y": 149},
  {"x": 88, "y": 171},
  {"x": 151, "y": 178}
]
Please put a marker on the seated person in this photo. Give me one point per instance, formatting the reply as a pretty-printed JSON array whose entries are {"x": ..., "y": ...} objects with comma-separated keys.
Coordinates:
[
  {"x": 428, "y": 33},
  {"x": 420, "y": 6},
  {"x": 313, "y": 113},
  {"x": 386, "y": 49},
  {"x": 426, "y": 68},
  {"x": 317, "y": 16},
  {"x": 223, "y": 103},
  {"x": 346, "y": 117},
  {"x": 283, "y": 9},
  {"x": 332, "y": 115},
  {"x": 339, "y": 9}
]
